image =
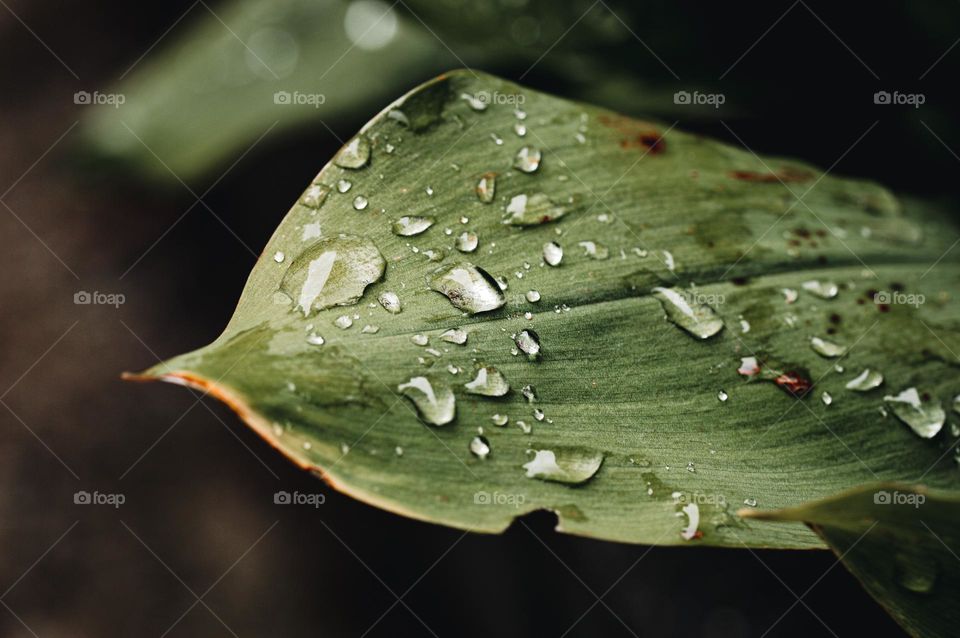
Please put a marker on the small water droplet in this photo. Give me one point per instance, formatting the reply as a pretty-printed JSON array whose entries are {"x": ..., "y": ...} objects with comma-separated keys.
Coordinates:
[
  {"x": 455, "y": 335},
  {"x": 691, "y": 467},
  {"x": 344, "y": 185},
  {"x": 520, "y": 114},
  {"x": 370, "y": 330},
  {"x": 343, "y": 322},
  {"x": 538, "y": 414},
  {"x": 429, "y": 191},
  {"x": 527, "y": 159},
  {"x": 826, "y": 348},
  {"x": 564, "y": 465},
  {"x": 865, "y": 381},
  {"x": 925, "y": 417},
  {"x": 489, "y": 382},
  {"x": 500, "y": 420},
  {"x": 332, "y": 272},
  {"x": 691, "y": 531},
  {"x": 434, "y": 401},
  {"x": 314, "y": 196},
  {"x": 529, "y": 393},
  {"x": 750, "y": 502},
  {"x": 822, "y": 289},
  {"x": 533, "y": 296},
  {"x": 915, "y": 571},
  {"x": 594, "y": 250},
  {"x": 477, "y": 103},
  {"x": 486, "y": 187},
  {"x": 552, "y": 253},
  {"x": 467, "y": 242},
  {"x": 390, "y": 302},
  {"x": 408, "y": 225},
  {"x": 468, "y": 287},
  {"x": 789, "y": 295},
  {"x": 360, "y": 202},
  {"x": 744, "y": 326},
  {"x": 723, "y": 396},
  {"x": 532, "y": 210},
  {"x": 314, "y": 339},
  {"x": 398, "y": 451},
  {"x": 278, "y": 256},
  {"x": 826, "y": 398},
  {"x": 520, "y": 129},
  {"x": 529, "y": 343},
  {"x": 688, "y": 313},
  {"x": 480, "y": 447},
  {"x": 496, "y": 139},
  {"x": 355, "y": 154},
  {"x": 525, "y": 427},
  {"x": 419, "y": 340}
]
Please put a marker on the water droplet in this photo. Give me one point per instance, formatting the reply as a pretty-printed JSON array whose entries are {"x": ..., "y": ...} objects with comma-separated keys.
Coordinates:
[
  {"x": 429, "y": 191},
  {"x": 496, "y": 139},
  {"x": 925, "y": 417},
  {"x": 452, "y": 369},
  {"x": 691, "y": 467},
  {"x": 525, "y": 427},
  {"x": 750, "y": 502},
  {"x": 789, "y": 295},
  {"x": 489, "y": 382},
  {"x": 500, "y": 420},
  {"x": 533, "y": 296},
  {"x": 532, "y": 210},
  {"x": 486, "y": 187},
  {"x": 455, "y": 335},
  {"x": 407, "y": 226},
  {"x": 915, "y": 571},
  {"x": 564, "y": 465},
  {"x": 370, "y": 330},
  {"x": 865, "y": 381},
  {"x": 333, "y": 272},
  {"x": 749, "y": 366},
  {"x": 476, "y": 103},
  {"x": 278, "y": 256},
  {"x": 688, "y": 313},
  {"x": 692, "y": 510},
  {"x": 826, "y": 348},
  {"x": 468, "y": 287},
  {"x": 398, "y": 451},
  {"x": 355, "y": 154},
  {"x": 419, "y": 340},
  {"x": 822, "y": 289},
  {"x": 314, "y": 339},
  {"x": 520, "y": 129},
  {"x": 314, "y": 196},
  {"x": 529, "y": 343},
  {"x": 826, "y": 398},
  {"x": 390, "y": 302},
  {"x": 538, "y": 414},
  {"x": 594, "y": 250},
  {"x": 552, "y": 253},
  {"x": 480, "y": 447},
  {"x": 360, "y": 202},
  {"x": 744, "y": 326},
  {"x": 520, "y": 114},
  {"x": 723, "y": 396},
  {"x": 467, "y": 242},
  {"x": 434, "y": 401},
  {"x": 529, "y": 393},
  {"x": 527, "y": 159},
  {"x": 343, "y": 322},
  {"x": 344, "y": 185}
]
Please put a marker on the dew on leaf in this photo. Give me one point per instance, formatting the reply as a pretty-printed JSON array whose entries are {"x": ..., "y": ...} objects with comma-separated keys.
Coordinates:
[
  {"x": 500, "y": 420},
  {"x": 355, "y": 154},
  {"x": 552, "y": 253},
  {"x": 865, "y": 381},
  {"x": 454, "y": 335},
  {"x": 314, "y": 196},
  {"x": 279, "y": 256},
  {"x": 467, "y": 242},
  {"x": 722, "y": 396},
  {"x": 826, "y": 398},
  {"x": 691, "y": 531},
  {"x": 343, "y": 185},
  {"x": 480, "y": 447},
  {"x": 315, "y": 340},
  {"x": 533, "y": 296},
  {"x": 343, "y": 322},
  {"x": 409, "y": 225},
  {"x": 822, "y": 289},
  {"x": 529, "y": 393},
  {"x": 390, "y": 302},
  {"x": 477, "y": 103},
  {"x": 924, "y": 416},
  {"x": 419, "y": 339},
  {"x": 333, "y": 272},
  {"x": 594, "y": 250},
  {"x": 360, "y": 202},
  {"x": 486, "y": 187},
  {"x": 686, "y": 311},
  {"x": 489, "y": 382},
  {"x": 434, "y": 401},
  {"x": 370, "y": 330},
  {"x": 529, "y": 343},
  {"x": 468, "y": 287},
  {"x": 532, "y": 210},
  {"x": 572, "y": 465},
  {"x": 527, "y": 159},
  {"x": 826, "y": 348}
]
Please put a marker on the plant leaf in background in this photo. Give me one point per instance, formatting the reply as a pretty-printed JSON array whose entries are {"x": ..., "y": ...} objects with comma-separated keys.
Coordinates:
[
  {"x": 900, "y": 541},
  {"x": 644, "y": 384}
]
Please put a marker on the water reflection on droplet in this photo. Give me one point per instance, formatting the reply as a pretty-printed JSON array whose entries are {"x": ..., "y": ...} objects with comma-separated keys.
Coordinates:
[
  {"x": 333, "y": 271},
  {"x": 488, "y": 382},
  {"x": 552, "y": 253},
  {"x": 355, "y": 154},
  {"x": 480, "y": 447},
  {"x": 410, "y": 225},
  {"x": 865, "y": 381},
  {"x": 468, "y": 287},
  {"x": 924, "y": 416},
  {"x": 686, "y": 311},
  {"x": 528, "y": 159},
  {"x": 435, "y": 402},
  {"x": 573, "y": 465}
]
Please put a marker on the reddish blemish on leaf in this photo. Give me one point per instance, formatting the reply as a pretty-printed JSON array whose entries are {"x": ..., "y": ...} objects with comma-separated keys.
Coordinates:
[
  {"x": 794, "y": 383},
  {"x": 636, "y": 134}
]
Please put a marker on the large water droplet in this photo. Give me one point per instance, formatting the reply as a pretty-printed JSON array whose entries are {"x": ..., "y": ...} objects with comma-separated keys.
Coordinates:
[
  {"x": 390, "y": 302},
  {"x": 486, "y": 187},
  {"x": 865, "y": 381},
  {"x": 467, "y": 242},
  {"x": 434, "y": 401},
  {"x": 552, "y": 253},
  {"x": 455, "y": 335},
  {"x": 564, "y": 465},
  {"x": 826, "y": 348},
  {"x": 686, "y": 311},
  {"x": 407, "y": 226},
  {"x": 468, "y": 287},
  {"x": 480, "y": 447},
  {"x": 822, "y": 289},
  {"x": 529, "y": 343},
  {"x": 489, "y": 382},
  {"x": 360, "y": 202},
  {"x": 527, "y": 159},
  {"x": 925, "y": 417},
  {"x": 333, "y": 272},
  {"x": 355, "y": 154},
  {"x": 532, "y": 210}
]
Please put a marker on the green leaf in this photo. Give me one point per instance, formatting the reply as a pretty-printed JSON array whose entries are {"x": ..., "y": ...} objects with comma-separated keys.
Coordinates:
[
  {"x": 633, "y": 432},
  {"x": 900, "y": 541}
]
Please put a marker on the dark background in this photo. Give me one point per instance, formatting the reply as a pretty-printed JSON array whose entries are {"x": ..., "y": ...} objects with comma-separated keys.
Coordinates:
[{"x": 202, "y": 494}]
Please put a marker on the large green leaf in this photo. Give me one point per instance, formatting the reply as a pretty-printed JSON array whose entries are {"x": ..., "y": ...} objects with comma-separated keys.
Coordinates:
[
  {"x": 901, "y": 542},
  {"x": 615, "y": 377}
]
